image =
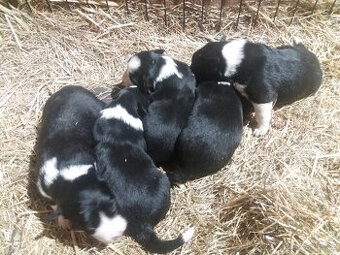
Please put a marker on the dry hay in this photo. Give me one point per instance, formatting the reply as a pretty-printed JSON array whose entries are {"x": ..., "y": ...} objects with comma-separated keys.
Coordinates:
[{"x": 279, "y": 195}]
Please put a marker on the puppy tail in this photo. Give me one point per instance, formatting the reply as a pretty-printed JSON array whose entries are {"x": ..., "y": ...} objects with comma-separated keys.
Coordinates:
[{"x": 150, "y": 241}]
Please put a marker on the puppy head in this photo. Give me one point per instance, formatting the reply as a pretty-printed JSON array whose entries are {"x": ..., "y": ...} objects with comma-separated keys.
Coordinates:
[
  {"x": 207, "y": 63},
  {"x": 147, "y": 68},
  {"x": 99, "y": 215},
  {"x": 133, "y": 100}
]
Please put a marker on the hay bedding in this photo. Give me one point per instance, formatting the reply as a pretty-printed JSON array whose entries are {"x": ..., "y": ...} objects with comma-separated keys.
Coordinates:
[{"x": 279, "y": 195}]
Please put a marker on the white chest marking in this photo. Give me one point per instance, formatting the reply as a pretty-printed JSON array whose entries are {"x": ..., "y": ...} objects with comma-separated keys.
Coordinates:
[
  {"x": 233, "y": 55},
  {"x": 109, "y": 228},
  {"x": 241, "y": 88},
  {"x": 72, "y": 172},
  {"x": 49, "y": 171},
  {"x": 119, "y": 113},
  {"x": 168, "y": 69}
]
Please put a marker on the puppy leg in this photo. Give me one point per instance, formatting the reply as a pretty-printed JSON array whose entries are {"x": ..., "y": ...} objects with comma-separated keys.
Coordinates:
[
  {"x": 263, "y": 113},
  {"x": 64, "y": 223}
]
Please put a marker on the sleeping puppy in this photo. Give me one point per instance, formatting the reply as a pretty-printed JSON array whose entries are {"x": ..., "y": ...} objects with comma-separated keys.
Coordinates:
[
  {"x": 264, "y": 75},
  {"x": 141, "y": 191},
  {"x": 213, "y": 132},
  {"x": 66, "y": 169},
  {"x": 170, "y": 86}
]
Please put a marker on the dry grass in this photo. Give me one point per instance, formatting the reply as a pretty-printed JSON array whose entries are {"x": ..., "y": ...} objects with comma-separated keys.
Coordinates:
[{"x": 279, "y": 195}]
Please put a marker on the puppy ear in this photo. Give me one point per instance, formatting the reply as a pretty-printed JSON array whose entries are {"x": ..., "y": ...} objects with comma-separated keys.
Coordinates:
[{"x": 159, "y": 51}]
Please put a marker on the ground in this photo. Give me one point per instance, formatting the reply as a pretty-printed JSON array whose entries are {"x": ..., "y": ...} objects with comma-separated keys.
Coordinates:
[{"x": 280, "y": 194}]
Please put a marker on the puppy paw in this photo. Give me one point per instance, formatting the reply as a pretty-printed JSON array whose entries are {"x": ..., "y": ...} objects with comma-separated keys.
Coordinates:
[
  {"x": 64, "y": 223},
  {"x": 260, "y": 131}
]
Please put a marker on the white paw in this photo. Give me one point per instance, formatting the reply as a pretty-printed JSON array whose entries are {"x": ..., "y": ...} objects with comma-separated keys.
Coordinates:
[
  {"x": 296, "y": 40},
  {"x": 260, "y": 131},
  {"x": 64, "y": 223}
]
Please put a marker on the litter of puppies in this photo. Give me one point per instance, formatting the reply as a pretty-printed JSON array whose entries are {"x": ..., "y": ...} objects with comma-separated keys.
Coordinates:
[{"x": 189, "y": 121}]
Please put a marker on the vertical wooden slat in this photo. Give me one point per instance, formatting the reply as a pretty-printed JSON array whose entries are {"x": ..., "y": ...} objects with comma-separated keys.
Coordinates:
[
  {"x": 127, "y": 6},
  {"x": 146, "y": 10},
  {"x": 184, "y": 7},
  {"x": 202, "y": 12},
  {"x": 220, "y": 17},
  {"x": 277, "y": 10},
  {"x": 239, "y": 12},
  {"x": 29, "y": 6},
  {"x": 49, "y": 5},
  {"x": 331, "y": 9},
  {"x": 314, "y": 7},
  {"x": 294, "y": 12},
  {"x": 257, "y": 12},
  {"x": 165, "y": 17},
  {"x": 68, "y": 5}
]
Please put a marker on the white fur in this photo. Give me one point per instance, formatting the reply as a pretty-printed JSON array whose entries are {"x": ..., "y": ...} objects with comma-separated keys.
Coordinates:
[
  {"x": 119, "y": 113},
  {"x": 54, "y": 207},
  {"x": 223, "y": 83},
  {"x": 71, "y": 173},
  {"x": 187, "y": 235},
  {"x": 263, "y": 113},
  {"x": 110, "y": 228},
  {"x": 297, "y": 40},
  {"x": 42, "y": 192},
  {"x": 241, "y": 88},
  {"x": 233, "y": 55},
  {"x": 49, "y": 171},
  {"x": 169, "y": 69},
  {"x": 134, "y": 64}
]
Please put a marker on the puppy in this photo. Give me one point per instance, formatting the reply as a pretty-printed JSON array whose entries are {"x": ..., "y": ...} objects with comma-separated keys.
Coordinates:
[
  {"x": 212, "y": 133},
  {"x": 170, "y": 86},
  {"x": 141, "y": 191},
  {"x": 66, "y": 169},
  {"x": 264, "y": 75}
]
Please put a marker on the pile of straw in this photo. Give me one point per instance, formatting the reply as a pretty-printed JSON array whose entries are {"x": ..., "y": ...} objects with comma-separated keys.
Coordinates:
[{"x": 279, "y": 195}]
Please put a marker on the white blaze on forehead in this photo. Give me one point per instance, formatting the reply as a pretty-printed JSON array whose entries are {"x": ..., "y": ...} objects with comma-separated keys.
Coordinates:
[
  {"x": 119, "y": 113},
  {"x": 109, "y": 228},
  {"x": 134, "y": 64},
  {"x": 72, "y": 172},
  {"x": 233, "y": 55},
  {"x": 49, "y": 171},
  {"x": 168, "y": 69}
]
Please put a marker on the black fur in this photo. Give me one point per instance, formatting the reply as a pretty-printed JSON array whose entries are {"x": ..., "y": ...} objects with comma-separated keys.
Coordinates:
[
  {"x": 66, "y": 134},
  {"x": 213, "y": 132},
  {"x": 285, "y": 74},
  {"x": 171, "y": 102},
  {"x": 142, "y": 192}
]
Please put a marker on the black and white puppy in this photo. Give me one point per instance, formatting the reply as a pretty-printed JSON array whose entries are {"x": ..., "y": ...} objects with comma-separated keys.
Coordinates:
[
  {"x": 264, "y": 75},
  {"x": 170, "y": 86},
  {"x": 213, "y": 132},
  {"x": 141, "y": 191},
  {"x": 66, "y": 165}
]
